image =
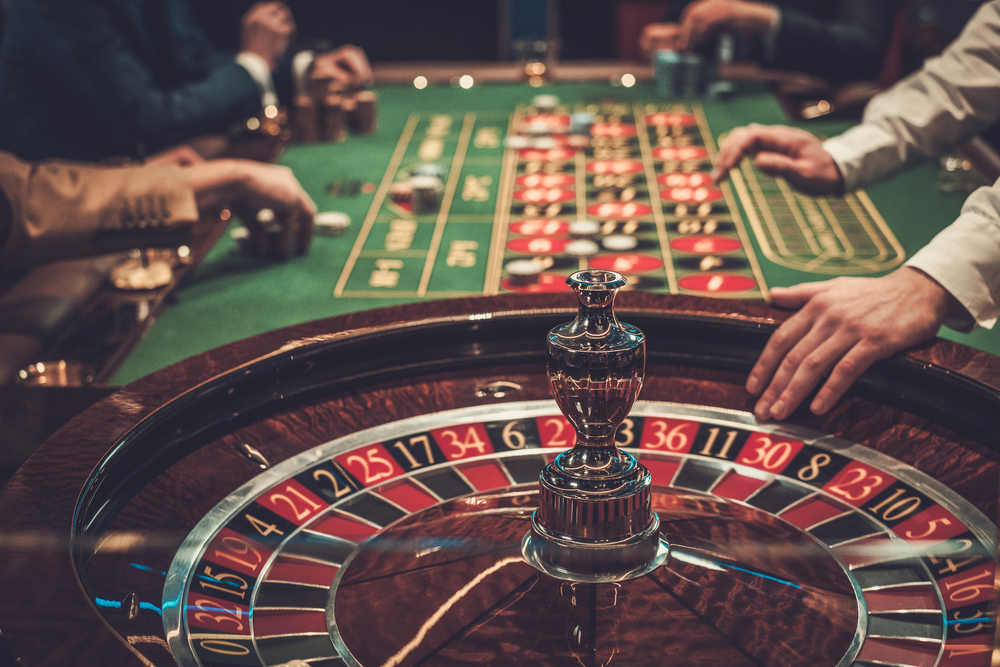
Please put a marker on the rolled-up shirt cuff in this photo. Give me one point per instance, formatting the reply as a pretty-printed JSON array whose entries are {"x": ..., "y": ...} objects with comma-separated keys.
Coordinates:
[
  {"x": 864, "y": 154},
  {"x": 259, "y": 71},
  {"x": 965, "y": 259}
]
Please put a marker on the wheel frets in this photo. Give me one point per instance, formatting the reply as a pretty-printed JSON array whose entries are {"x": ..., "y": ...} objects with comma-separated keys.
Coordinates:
[{"x": 250, "y": 585}]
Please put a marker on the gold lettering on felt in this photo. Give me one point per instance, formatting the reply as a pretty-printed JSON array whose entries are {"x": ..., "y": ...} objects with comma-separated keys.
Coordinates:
[
  {"x": 400, "y": 236},
  {"x": 476, "y": 188},
  {"x": 487, "y": 137},
  {"x": 386, "y": 273},
  {"x": 462, "y": 254}
]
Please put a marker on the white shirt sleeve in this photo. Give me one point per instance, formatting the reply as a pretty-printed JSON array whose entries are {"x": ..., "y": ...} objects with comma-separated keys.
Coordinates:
[
  {"x": 965, "y": 258},
  {"x": 951, "y": 99},
  {"x": 259, "y": 71}
]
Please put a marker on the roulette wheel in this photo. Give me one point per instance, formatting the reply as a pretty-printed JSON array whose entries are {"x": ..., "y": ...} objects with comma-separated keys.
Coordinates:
[{"x": 360, "y": 491}]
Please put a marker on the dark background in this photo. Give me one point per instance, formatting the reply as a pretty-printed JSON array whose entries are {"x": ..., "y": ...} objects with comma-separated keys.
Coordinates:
[{"x": 396, "y": 30}]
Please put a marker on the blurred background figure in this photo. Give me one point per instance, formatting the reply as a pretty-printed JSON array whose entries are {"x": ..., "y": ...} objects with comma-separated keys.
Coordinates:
[
  {"x": 89, "y": 79},
  {"x": 839, "y": 40}
]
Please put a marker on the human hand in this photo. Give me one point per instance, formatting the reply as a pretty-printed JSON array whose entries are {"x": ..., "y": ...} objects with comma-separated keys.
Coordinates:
[
  {"x": 703, "y": 19},
  {"x": 266, "y": 29},
  {"x": 794, "y": 154},
  {"x": 344, "y": 68},
  {"x": 181, "y": 156},
  {"x": 657, "y": 36},
  {"x": 247, "y": 187},
  {"x": 846, "y": 325}
]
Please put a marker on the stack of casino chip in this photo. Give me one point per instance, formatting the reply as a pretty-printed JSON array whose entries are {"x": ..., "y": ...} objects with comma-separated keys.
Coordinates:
[
  {"x": 679, "y": 74},
  {"x": 327, "y": 117},
  {"x": 429, "y": 169},
  {"x": 364, "y": 119},
  {"x": 521, "y": 272},
  {"x": 694, "y": 75},
  {"x": 581, "y": 122},
  {"x": 333, "y": 119},
  {"x": 331, "y": 223},
  {"x": 305, "y": 120},
  {"x": 667, "y": 73},
  {"x": 426, "y": 193},
  {"x": 545, "y": 103}
]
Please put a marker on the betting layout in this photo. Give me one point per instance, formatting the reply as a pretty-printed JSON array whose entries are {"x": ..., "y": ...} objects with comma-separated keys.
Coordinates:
[
  {"x": 261, "y": 575},
  {"x": 487, "y": 202},
  {"x": 635, "y": 196},
  {"x": 828, "y": 235}
]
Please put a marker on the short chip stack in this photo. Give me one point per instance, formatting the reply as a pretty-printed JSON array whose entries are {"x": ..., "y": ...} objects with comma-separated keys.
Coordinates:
[{"x": 329, "y": 117}]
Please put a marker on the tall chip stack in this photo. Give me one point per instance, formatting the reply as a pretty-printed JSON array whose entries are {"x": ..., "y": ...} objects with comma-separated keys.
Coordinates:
[{"x": 667, "y": 73}]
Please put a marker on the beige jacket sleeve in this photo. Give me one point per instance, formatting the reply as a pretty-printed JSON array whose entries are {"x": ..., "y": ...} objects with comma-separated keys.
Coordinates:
[{"x": 62, "y": 209}]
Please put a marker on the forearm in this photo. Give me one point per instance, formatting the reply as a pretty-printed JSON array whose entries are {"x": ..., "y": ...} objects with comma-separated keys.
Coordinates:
[
  {"x": 63, "y": 209},
  {"x": 951, "y": 99}
]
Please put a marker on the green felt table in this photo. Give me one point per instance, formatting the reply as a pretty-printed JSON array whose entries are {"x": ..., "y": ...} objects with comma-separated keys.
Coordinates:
[{"x": 232, "y": 296}]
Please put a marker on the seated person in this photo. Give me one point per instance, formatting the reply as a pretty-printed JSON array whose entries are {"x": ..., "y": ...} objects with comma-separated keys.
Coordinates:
[
  {"x": 57, "y": 209},
  {"x": 839, "y": 40},
  {"x": 88, "y": 79},
  {"x": 844, "y": 325}
]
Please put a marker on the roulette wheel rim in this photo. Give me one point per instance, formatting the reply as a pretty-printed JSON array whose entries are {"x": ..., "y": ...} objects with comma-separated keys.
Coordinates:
[
  {"x": 181, "y": 579},
  {"x": 693, "y": 334}
]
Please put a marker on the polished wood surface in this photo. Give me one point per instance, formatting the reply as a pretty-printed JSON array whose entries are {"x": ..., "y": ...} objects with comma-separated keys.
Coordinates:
[{"x": 178, "y": 436}]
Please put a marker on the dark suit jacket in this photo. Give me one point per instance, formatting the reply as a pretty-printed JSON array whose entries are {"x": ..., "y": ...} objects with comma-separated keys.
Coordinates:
[
  {"x": 839, "y": 40},
  {"x": 86, "y": 79}
]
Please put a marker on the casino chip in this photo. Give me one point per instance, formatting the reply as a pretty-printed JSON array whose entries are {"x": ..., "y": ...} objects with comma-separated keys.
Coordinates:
[
  {"x": 546, "y": 103},
  {"x": 619, "y": 242},
  {"x": 133, "y": 276},
  {"x": 523, "y": 271},
  {"x": 331, "y": 223},
  {"x": 426, "y": 193},
  {"x": 401, "y": 192},
  {"x": 544, "y": 143},
  {"x": 429, "y": 169},
  {"x": 581, "y": 122},
  {"x": 581, "y": 248},
  {"x": 516, "y": 142},
  {"x": 536, "y": 128},
  {"x": 241, "y": 236},
  {"x": 584, "y": 228}
]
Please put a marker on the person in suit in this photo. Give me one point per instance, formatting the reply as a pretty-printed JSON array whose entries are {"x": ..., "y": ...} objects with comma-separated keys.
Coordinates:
[
  {"x": 57, "y": 209},
  {"x": 88, "y": 79},
  {"x": 839, "y": 40}
]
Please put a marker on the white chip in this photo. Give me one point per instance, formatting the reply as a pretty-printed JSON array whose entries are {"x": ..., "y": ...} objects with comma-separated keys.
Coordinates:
[
  {"x": 523, "y": 271},
  {"x": 581, "y": 248},
  {"x": 545, "y": 143},
  {"x": 524, "y": 267},
  {"x": 265, "y": 215},
  {"x": 546, "y": 103},
  {"x": 329, "y": 223},
  {"x": 536, "y": 128},
  {"x": 239, "y": 233},
  {"x": 516, "y": 142},
  {"x": 619, "y": 242},
  {"x": 584, "y": 228}
]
